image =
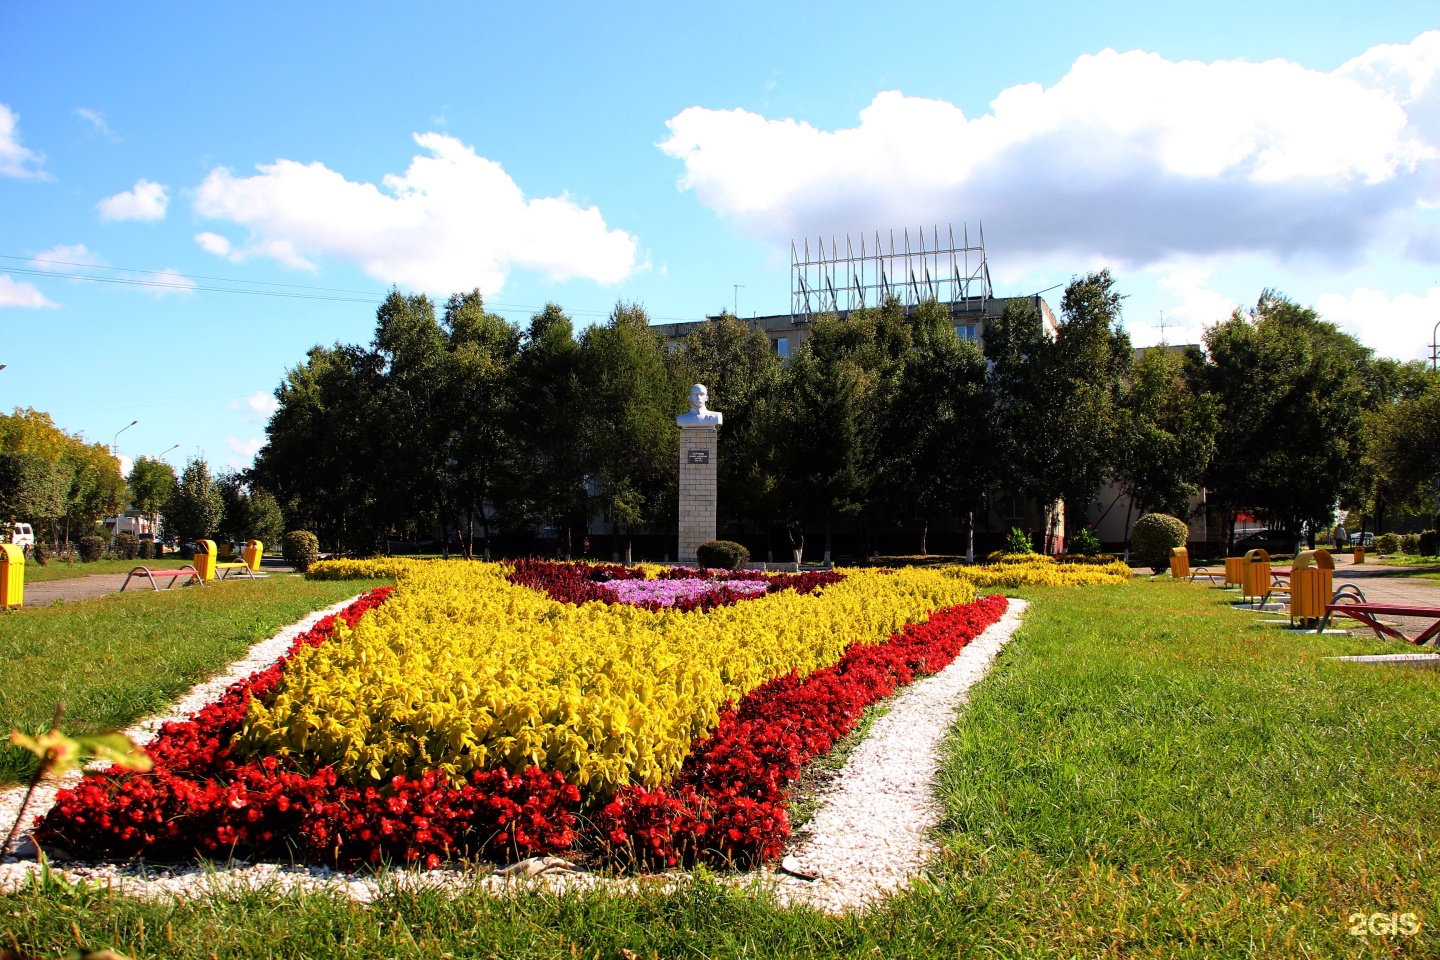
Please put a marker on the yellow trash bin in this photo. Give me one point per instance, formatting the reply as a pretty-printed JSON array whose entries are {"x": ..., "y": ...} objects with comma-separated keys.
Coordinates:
[
  {"x": 1312, "y": 580},
  {"x": 1179, "y": 563},
  {"x": 1255, "y": 579},
  {"x": 12, "y": 575},
  {"x": 205, "y": 559},
  {"x": 1234, "y": 571},
  {"x": 253, "y": 551}
]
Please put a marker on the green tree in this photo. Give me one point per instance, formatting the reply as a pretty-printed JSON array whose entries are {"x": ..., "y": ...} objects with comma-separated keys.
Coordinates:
[
  {"x": 940, "y": 427},
  {"x": 631, "y": 400},
  {"x": 1058, "y": 396},
  {"x": 195, "y": 508},
  {"x": 1168, "y": 433},
  {"x": 1403, "y": 447},
  {"x": 543, "y": 481},
  {"x": 479, "y": 396},
  {"x": 1293, "y": 391},
  {"x": 150, "y": 484}
]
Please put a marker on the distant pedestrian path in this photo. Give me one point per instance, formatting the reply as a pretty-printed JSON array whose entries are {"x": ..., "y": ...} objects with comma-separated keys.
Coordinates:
[
  {"x": 46, "y": 592},
  {"x": 1388, "y": 584}
]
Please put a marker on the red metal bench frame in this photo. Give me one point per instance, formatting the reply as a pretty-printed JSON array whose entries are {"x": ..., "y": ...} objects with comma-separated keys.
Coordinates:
[
  {"x": 1367, "y": 613},
  {"x": 142, "y": 571}
]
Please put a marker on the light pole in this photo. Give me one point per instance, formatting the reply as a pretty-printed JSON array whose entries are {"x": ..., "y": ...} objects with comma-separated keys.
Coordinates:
[
  {"x": 115, "y": 443},
  {"x": 1434, "y": 348},
  {"x": 161, "y": 455}
]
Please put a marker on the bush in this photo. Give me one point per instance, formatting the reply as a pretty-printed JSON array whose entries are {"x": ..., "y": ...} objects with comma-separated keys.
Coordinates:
[
  {"x": 300, "y": 549},
  {"x": 1017, "y": 542},
  {"x": 1387, "y": 543},
  {"x": 1428, "y": 543},
  {"x": 127, "y": 546},
  {"x": 1410, "y": 543},
  {"x": 1084, "y": 543},
  {"x": 92, "y": 548},
  {"x": 1154, "y": 536},
  {"x": 41, "y": 552},
  {"x": 722, "y": 555}
]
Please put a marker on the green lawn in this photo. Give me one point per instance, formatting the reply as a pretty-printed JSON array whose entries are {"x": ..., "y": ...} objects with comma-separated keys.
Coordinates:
[
  {"x": 58, "y": 570},
  {"x": 1147, "y": 773},
  {"x": 117, "y": 658}
]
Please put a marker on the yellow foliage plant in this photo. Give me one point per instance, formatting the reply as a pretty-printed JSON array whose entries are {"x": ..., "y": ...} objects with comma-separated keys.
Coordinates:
[{"x": 463, "y": 670}]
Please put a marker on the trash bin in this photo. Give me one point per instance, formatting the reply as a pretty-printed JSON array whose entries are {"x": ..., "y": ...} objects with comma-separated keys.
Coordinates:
[
  {"x": 254, "y": 550},
  {"x": 12, "y": 575},
  {"x": 205, "y": 559}
]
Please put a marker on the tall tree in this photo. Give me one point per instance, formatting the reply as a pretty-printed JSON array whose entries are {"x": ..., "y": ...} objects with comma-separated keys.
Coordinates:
[
  {"x": 196, "y": 506},
  {"x": 1292, "y": 388},
  {"x": 479, "y": 394},
  {"x": 631, "y": 439},
  {"x": 149, "y": 485},
  {"x": 1059, "y": 395},
  {"x": 544, "y": 481},
  {"x": 941, "y": 427}
]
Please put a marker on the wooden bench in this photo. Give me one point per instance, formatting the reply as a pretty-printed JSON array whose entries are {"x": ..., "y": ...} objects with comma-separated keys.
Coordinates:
[
  {"x": 188, "y": 571},
  {"x": 1369, "y": 614}
]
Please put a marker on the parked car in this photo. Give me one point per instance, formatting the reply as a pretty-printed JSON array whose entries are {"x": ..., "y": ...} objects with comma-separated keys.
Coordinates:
[
  {"x": 1271, "y": 541},
  {"x": 21, "y": 535}
]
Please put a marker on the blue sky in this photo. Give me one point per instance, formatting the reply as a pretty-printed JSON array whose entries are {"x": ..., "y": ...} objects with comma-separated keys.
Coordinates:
[{"x": 664, "y": 153}]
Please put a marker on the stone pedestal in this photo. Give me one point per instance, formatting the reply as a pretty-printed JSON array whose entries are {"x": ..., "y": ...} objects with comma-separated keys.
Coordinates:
[{"x": 699, "y": 450}]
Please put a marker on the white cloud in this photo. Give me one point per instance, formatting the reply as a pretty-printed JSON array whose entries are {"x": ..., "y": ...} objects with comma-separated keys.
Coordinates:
[
  {"x": 257, "y": 407},
  {"x": 163, "y": 283},
  {"x": 1199, "y": 307},
  {"x": 1398, "y": 327},
  {"x": 147, "y": 201},
  {"x": 18, "y": 293},
  {"x": 96, "y": 119},
  {"x": 452, "y": 221},
  {"x": 15, "y": 160},
  {"x": 213, "y": 243},
  {"x": 65, "y": 258},
  {"x": 126, "y": 465},
  {"x": 1129, "y": 158},
  {"x": 244, "y": 451}
]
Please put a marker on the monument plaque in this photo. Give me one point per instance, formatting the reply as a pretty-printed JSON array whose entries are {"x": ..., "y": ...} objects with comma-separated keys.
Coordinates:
[{"x": 699, "y": 445}]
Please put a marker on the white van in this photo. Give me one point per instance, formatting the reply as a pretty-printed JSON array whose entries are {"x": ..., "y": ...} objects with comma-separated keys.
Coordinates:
[{"x": 21, "y": 535}]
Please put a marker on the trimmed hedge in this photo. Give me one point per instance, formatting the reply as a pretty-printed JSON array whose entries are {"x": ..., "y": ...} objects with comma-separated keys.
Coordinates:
[
  {"x": 301, "y": 549},
  {"x": 1154, "y": 536},
  {"x": 722, "y": 555},
  {"x": 1387, "y": 543},
  {"x": 91, "y": 548}
]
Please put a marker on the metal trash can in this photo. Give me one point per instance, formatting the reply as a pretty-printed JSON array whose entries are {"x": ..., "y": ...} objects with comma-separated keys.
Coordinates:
[{"x": 12, "y": 575}]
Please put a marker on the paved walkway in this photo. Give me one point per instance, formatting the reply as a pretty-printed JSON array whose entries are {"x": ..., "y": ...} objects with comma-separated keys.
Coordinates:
[
  {"x": 1387, "y": 584},
  {"x": 46, "y": 592}
]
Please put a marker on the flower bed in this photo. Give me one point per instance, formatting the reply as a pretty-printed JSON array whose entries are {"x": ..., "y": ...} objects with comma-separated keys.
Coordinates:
[{"x": 218, "y": 788}]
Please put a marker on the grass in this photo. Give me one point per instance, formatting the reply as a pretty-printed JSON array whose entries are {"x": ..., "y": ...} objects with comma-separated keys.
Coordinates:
[
  {"x": 1414, "y": 566},
  {"x": 117, "y": 658},
  {"x": 1147, "y": 773},
  {"x": 59, "y": 570}
]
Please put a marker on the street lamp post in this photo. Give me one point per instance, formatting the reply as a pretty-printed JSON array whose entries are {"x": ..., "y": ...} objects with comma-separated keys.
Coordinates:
[
  {"x": 161, "y": 454},
  {"x": 115, "y": 443},
  {"x": 1434, "y": 348}
]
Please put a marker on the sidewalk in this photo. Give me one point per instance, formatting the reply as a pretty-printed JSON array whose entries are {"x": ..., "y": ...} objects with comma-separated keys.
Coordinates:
[
  {"x": 1386, "y": 584},
  {"x": 46, "y": 592}
]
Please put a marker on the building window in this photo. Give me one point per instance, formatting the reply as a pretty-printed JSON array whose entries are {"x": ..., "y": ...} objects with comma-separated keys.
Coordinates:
[
  {"x": 1010, "y": 507},
  {"x": 967, "y": 331},
  {"x": 782, "y": 347}
]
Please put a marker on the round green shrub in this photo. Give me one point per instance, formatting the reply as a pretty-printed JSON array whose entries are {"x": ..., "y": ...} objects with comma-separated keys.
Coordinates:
[
  {"x": 722, "y": 555},
  {"x": 1084, "y": 543},
  {"x": 92, "y": 548},
  {"x": 1429, "y": 543},
  {"x": 1410, "y": 543},
  {"x": 1387, "y": 543},
  {"x": 301, "y": 549},
  {"x": 127, "y": 546},
  {"x": 1154, "y": 536}
]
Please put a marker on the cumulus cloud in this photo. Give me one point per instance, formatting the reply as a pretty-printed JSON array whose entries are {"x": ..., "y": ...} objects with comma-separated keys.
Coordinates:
[
  {"x": 96, "y": 119},
  {"x": 146, "y": 201},
  {"x": 1397, "y": 327},
  {"x": 257, "y": 407},
  {"x": 452, "y": 221},
  {"x": 1130, "y": 158},
  {"x": 244, "y": 451},
  {"x": 18, "y": 293},
  {"x": 15, "y": 160}
]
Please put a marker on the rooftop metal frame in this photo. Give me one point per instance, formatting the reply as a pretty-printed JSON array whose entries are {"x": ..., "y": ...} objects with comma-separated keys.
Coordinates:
[{"x": 827, "y": 282}]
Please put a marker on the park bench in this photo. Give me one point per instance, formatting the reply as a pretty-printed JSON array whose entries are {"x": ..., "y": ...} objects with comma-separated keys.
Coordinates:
[
  {"x": 1370, "y": 614},
  {"x": 151, "y": 576},
  {"x": 211, "y": 568},
  {"x": 1180, "y": 566}
]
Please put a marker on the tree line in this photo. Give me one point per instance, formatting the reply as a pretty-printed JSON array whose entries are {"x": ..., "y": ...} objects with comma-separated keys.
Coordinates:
[{"x": 882, "y": 420}]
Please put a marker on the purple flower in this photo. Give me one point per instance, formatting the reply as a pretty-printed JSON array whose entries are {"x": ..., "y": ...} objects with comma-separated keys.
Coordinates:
[{"x": 668, "y": 592}]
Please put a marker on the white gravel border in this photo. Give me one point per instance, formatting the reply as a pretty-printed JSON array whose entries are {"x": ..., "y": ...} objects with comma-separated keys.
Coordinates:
[
  {"x": 868, "y": 839},
  {"x": 870, "y": 835},
  {"x": 258, "y": 657}
]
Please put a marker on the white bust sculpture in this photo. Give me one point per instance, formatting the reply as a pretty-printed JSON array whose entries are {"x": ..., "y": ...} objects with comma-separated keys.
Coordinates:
[{"x": 698, "y": 415}]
